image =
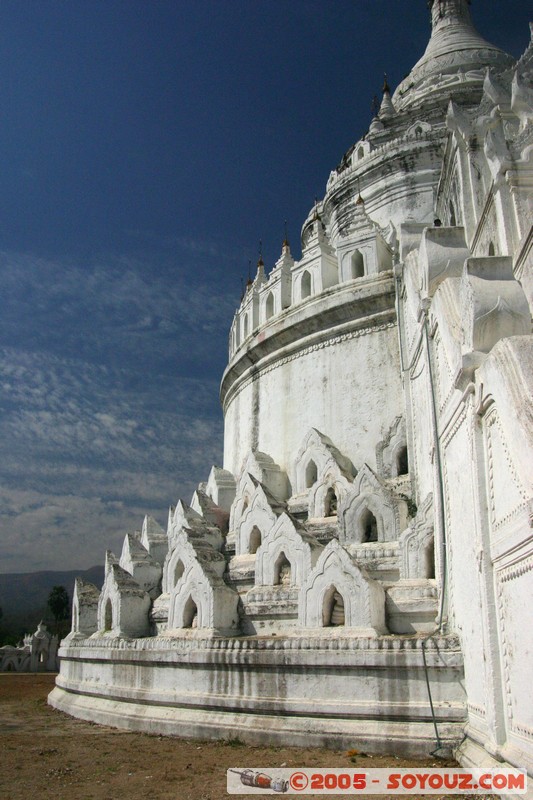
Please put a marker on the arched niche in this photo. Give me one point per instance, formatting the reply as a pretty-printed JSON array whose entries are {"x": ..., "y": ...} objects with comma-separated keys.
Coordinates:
[
  {"x": 319, "y": 465},
  {"x": 85, "y": 600},
  {"x": 357, "y": 265},
  {"x": 202, "y": 594},
  {"x": 269, "y": 306},
  {"x": 256, "y": 520},
  {"x": 453, "y": 216},
  {"x": 311, "y": 474},
  {"x": 333, "y": 608},
  {"x": 330, "y": 503},
  {"x": 419, "y": 128},
  {"x": 285, "y": 540},
  {"x": 282, "y": 571},
  {"x": 367, "y": 527},
  {"x": 401, "y": 466},
  {"x": 123, "y": 605},
  {"x": 190, "y": 613},
  {"x": 337, "y": 584},
  {"x": 306, "y": 285},
  {"x": 369, "y": 507},
  {"x": 391, "y": 451},
  {"x": 179, "y": 569},
  {"x": 492, "y": 250},
  {"x": 241, "y": 502},
  {"x": 429, "y": 558},
  {"x": 255, "y": 540},
  {"x": 108, "y": 615},
  {"x": 417, "y": 550}
]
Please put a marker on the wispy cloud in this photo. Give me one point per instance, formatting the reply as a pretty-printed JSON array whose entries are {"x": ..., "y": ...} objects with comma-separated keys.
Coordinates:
[
  {"x": 122, "y": 309},
  {"x": 108, "y": 403}
]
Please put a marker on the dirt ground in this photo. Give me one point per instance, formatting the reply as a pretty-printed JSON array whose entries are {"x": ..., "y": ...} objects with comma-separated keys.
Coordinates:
[{"x": 46, "y": 754}]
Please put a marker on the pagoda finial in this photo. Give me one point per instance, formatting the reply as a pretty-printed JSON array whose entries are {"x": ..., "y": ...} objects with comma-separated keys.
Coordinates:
[
  {"x": 359, "y": 201},
  {"x": 260, "y": 263},
  {"x": 286, "y": 239},
  {"x": 386, "y": 109},
  {"x": 448, "y": 10}
]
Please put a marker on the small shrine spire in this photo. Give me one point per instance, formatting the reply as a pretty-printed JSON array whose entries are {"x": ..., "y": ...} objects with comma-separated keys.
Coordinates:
[
  {"x": 260, "y": 264},
  {"x": 316, "y": 215},
  {"x": 359, "y": 201},
  {"x": 386, "y": 110},
  {"x": 286, "y": 239},
  {"x": 445, "y": 11}
]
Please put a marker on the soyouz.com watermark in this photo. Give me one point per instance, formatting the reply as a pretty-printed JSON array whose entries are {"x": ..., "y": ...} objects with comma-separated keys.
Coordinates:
[{"x": 246, "y": 780}]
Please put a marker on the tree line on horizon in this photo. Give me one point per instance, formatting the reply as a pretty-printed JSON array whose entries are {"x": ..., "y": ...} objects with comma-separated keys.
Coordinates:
[{"x": 55, "y": 615}]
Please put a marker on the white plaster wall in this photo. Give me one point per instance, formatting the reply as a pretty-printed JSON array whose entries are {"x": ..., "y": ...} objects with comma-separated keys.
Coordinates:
[
  {"x": 463, "y": 557},
  {"x": 514, "y": 589},
  {"x": 350, "y": 391},
  {"x": 421, "y": 429}
]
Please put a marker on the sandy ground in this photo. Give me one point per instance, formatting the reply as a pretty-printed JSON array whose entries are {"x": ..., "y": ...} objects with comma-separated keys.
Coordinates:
[{"x": 46, "y": 754}]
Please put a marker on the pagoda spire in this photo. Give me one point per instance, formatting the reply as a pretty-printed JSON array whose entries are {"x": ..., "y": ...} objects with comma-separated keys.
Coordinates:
[
  {"x": 386, "y": 110},
  {"x": 285, "y": 247},
  {"x": 260, "y": 276},
  {"x": 454, "y": 47},
  {"x": 446, "y": 11}
]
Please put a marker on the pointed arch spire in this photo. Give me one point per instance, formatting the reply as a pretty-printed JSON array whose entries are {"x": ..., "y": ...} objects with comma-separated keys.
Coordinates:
[
  {"x": 387, "y": 109},
  {"x": 286, "y": 238},
  {"x": 249, "y": 282},
  {"x": 286, "y": 247},
  {"x": 454, "y": 47},
  {"x": 359, "y": 201},
  {"x": 449, "y": 10},
  {"x": 260, "y": 276}
]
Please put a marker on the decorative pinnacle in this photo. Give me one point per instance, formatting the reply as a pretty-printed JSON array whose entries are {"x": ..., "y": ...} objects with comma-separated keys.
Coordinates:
[
  {"x": 260, "y": 276},
  {"x": 359, "y": 201},
  {"x": 286, "y": 239},
  {"x": 386, "y": 87},
  {"x": 455, "y": 9}
]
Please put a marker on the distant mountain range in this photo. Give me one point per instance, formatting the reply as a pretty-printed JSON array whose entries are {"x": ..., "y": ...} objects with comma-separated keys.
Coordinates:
[{"x": 24, "y": 595}]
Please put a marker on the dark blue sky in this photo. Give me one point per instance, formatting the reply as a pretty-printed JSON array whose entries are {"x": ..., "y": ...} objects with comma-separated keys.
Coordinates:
[{"x": 146, "y": 148}]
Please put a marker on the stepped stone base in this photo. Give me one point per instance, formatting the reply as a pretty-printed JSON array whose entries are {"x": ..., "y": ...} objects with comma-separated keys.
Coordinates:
[{"x": 367, "y": 693}]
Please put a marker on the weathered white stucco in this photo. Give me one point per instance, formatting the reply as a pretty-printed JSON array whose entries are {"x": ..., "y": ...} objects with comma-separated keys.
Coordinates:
[{"x": 376, "y": 498}]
